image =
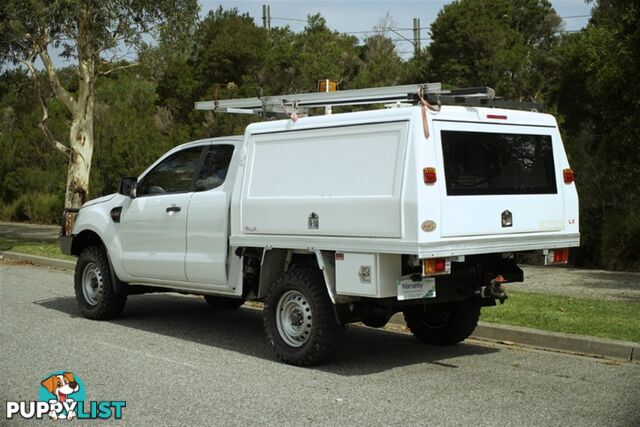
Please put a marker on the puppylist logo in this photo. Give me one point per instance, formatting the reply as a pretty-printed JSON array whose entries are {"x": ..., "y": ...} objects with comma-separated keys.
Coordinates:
[{"x": 62, "y": 396}]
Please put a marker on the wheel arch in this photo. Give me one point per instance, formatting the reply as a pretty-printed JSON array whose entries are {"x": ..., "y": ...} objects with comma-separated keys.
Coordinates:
[
  {"x": 276, "y": 261},
  {"x": 87, "y": 238}
]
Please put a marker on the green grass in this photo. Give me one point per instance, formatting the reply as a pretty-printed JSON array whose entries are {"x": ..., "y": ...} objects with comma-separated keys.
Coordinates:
[
  {"x": 607, "y": 319},
  {"x": 45, "y": 249}
]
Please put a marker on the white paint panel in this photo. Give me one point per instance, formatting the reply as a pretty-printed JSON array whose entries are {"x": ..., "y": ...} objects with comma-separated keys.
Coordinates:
[
  {"x": 350, "y": 176},
  {"x": 384, "y": 269},
  {"x": 207, "y": 243},
  {"x": 481, "y": 215},
  {"x": 152, "y": 239}
]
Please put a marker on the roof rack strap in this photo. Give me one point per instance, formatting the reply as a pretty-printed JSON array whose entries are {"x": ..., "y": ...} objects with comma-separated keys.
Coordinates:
[{"x": 424, "y": 106}]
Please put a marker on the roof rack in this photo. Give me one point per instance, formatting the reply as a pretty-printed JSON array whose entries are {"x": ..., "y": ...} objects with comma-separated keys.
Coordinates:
[{"x": 432, "y": 92}]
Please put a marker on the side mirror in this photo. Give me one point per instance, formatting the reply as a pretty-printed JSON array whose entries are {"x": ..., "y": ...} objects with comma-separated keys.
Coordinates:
[{"x": 128, "y": 186}]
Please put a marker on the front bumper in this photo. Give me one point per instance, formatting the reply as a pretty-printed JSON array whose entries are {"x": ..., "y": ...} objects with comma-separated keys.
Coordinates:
[
  {"x": 66, "y": 242},
  {"x": 66, "y": 227}
]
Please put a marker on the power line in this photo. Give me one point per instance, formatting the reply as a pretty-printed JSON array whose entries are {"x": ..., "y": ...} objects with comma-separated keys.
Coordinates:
[
  {"x": 381, "y": 30},
  {"x": 416, "y": 29},
  {"x": 288, "y": 19},
  {"x": 399, "y": 28}
]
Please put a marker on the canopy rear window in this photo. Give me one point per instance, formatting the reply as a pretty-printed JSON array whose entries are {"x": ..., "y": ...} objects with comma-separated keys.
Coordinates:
[{"x": 483, "y": 163}]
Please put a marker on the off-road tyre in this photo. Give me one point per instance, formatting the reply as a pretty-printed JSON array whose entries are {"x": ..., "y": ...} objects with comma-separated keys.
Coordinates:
[
  {"x": 443, "y": 324},
  {"x": 102, "y": 303},
  {"x": 324, "y": 335},
  {"x": 223, "y": 303}
]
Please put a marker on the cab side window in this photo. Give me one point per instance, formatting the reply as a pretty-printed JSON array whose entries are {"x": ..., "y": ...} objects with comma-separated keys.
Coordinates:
[
  {"x": 173, "y": 175},
  {"x": 214, "y": 168}
]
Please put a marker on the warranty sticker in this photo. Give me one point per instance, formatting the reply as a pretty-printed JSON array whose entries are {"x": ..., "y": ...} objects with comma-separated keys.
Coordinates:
[{"x": 410, "y": 289}]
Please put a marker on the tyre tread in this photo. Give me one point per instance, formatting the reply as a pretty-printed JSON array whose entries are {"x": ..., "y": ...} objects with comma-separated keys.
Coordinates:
[
  {"x": 329, "y": 334},
  {"x": 110, "y": 304},
  {"x": 464, "y": 319}
]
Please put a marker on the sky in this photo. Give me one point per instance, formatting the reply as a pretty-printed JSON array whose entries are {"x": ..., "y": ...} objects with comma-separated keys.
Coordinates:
[{"x": 362, "y": 15}]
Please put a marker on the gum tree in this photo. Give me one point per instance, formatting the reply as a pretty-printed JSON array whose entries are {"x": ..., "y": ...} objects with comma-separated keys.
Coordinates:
[
  {"x": 100, "y": 38},
  {"x": 505, "y": 44}
]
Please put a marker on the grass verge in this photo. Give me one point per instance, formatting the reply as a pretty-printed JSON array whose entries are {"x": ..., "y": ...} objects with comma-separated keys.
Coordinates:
[
  {"x": 45, "y": 249},
  {"x": 606, "y": 319}
]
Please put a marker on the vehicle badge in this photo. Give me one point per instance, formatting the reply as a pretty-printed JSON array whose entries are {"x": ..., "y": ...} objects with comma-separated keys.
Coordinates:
[
  {"x": 314, "y": 221},
  {"x": 365, "y": 273},
  {"x": 428, "y": 226},
  {"x": 507, "y": 219}
]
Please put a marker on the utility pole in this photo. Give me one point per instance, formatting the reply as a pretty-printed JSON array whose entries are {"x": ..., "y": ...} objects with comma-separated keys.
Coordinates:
[
  {"x": 266, "y": 17},
  {"x": 416, "y": 35}
]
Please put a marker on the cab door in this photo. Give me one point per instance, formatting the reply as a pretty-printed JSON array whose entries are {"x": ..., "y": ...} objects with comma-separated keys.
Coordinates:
[
  {"x": 208, "y": 219},
  {"x": 154, "y": 224}
]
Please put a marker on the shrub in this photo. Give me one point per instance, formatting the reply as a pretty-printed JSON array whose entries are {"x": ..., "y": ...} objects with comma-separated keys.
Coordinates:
[
  {"x": 42, "y": 208},
  {"x": 621, "y": 241},
  {"x": 6, "y": 211}
]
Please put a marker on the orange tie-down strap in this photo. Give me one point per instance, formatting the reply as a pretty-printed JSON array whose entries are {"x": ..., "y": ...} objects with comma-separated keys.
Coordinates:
[
  {"x": 293, "y": 115},
  {"x": 424, "y": 106}
]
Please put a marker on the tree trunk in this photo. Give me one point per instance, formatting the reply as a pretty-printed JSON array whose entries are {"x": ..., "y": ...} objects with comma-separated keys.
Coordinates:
[{"x": 81, "y": 139}]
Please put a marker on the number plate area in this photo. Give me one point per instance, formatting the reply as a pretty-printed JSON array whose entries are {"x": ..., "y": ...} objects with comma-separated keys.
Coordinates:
[{"x": 411, "y": 289}]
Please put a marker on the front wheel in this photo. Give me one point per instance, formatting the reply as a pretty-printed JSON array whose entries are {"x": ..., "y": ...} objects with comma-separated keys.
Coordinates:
[
  {"x": 299, "y": 319},
  {"x": 443, "y": 324},
  {"x": 93, "y": 285}
]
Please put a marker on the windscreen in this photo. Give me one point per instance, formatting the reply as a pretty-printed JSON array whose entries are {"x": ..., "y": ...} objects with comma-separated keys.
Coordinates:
[{"x": 483, "y": 163}]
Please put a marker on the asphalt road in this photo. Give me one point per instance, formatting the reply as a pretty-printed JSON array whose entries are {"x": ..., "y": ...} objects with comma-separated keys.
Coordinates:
[{"x": 177, "y": 362}]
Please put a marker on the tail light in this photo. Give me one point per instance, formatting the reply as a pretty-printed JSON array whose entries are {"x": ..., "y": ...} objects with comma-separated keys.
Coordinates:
[
  {"x": 557, "y": 256},
  {"x": 567, "y": 174},
  {"x": 497, "y": 116},
  {"x": 429, "y": 175},
  {"x": 436, "y": 266}
]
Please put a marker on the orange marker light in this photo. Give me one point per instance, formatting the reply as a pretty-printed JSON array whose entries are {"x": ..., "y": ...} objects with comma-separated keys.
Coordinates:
[
  {"x": 567, "y": 174},
  {"x": 429, "y": 175}
]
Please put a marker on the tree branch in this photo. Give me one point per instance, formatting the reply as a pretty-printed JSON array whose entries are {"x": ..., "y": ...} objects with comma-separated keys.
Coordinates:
[
  {"x": 120, "y": 67},
  {"x": 45, "y": 111},
  {"x": 61, "y": 93}
]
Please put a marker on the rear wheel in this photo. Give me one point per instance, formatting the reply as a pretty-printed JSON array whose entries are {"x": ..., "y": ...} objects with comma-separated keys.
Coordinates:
[
  {"x": 93, "y": 285},
  {"x": 443, "y": 324},
  {"x": 223, "y": 302},
  {"x": 299, "y": 319}
]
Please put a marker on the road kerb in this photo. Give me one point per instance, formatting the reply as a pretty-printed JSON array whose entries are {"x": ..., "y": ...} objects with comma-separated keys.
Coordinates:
[
  {"x": 48, "y": 262},
  {"x": 555, "y": 341}
]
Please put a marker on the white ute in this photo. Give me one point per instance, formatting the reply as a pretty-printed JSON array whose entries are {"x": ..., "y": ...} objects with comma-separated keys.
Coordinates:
[{"x": 340, "y": 218}]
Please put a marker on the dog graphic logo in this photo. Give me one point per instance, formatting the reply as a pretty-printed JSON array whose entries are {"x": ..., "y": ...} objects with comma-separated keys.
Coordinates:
[
  {"x": 62, "y": 396},
  {"x": 61, "y": 386}
]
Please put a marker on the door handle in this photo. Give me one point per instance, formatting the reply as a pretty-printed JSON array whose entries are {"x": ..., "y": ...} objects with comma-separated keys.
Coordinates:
[{"x": 172, "y": 209}]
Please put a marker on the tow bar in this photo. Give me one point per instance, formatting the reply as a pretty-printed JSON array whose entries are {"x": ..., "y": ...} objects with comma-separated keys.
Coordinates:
[{"x": 495, "y": 289}]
